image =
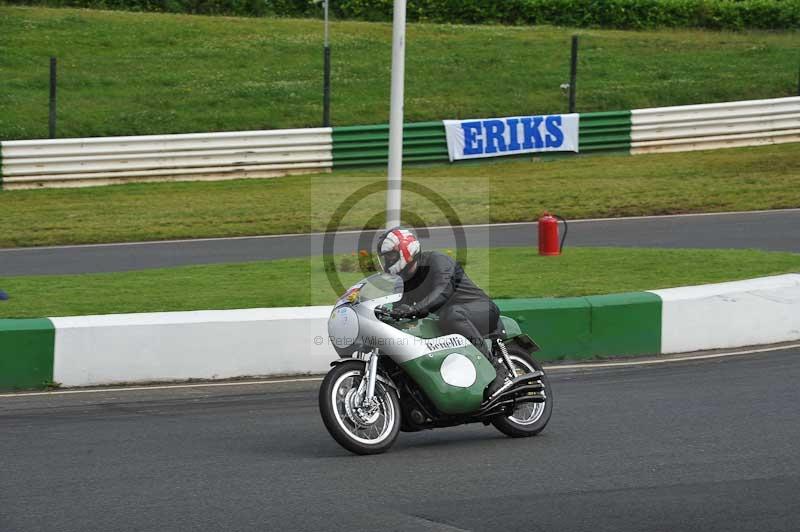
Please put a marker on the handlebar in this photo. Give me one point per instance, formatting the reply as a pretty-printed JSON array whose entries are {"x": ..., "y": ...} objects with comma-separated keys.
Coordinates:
[{"x": 385, "y": 315}]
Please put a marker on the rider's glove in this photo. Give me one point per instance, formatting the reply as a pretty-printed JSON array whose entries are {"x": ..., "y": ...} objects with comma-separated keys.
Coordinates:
[{"x": 407, "y": 311}]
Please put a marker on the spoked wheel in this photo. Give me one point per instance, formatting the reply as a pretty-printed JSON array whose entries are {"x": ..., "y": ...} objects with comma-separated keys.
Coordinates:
[
  {"x": 357, "y": 426},
  {"x": 527, "y": 419}
]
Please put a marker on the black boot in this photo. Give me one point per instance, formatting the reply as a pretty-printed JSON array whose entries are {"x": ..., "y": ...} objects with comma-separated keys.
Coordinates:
[{"x": 503, "y": 376}]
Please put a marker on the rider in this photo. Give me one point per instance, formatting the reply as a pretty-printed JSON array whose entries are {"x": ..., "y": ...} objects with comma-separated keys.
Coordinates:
[{"x": 434, "y": 282}]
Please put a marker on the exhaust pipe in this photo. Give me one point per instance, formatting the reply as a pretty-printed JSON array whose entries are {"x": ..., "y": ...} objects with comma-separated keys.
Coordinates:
[
  {"x": 499, "y": 405},
  {"x": 533, "y": 397},
  {"x": 529, "y": 379},
  {"x": 527, "y": 385}
]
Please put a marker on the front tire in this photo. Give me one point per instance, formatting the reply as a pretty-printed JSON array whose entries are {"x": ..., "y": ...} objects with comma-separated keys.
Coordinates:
[
  {"x": 360, "y": 430},
  {"x": 528, "y": 419}
]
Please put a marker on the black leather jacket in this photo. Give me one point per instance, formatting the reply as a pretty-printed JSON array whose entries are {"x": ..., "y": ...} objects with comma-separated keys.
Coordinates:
[{"x": 440, "y": 281}]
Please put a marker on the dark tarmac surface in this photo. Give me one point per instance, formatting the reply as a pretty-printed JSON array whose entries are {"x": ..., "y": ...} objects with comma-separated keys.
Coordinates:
[
  {"x": 771, "y": 231},
  {"x": 710, "y": 445}
]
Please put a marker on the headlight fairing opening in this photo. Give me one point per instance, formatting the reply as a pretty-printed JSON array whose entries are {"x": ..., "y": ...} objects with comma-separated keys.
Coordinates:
[{"x": 343, "y": 327}]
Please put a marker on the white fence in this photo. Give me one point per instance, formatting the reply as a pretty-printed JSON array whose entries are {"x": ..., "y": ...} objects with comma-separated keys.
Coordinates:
[
  {"x": 107, "y": 160},
  {"x": 716, "y": 125}
]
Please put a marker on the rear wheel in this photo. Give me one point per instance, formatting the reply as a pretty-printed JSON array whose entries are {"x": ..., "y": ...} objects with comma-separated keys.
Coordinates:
[
  {"x": 358, "y": 427},
  {"x": 527, "y": 419}
]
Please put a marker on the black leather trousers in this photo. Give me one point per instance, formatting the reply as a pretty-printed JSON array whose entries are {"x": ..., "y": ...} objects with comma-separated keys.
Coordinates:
[{"x": 471, "y": 320}]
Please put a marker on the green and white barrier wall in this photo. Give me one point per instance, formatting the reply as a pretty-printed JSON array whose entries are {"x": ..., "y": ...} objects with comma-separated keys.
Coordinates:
[
  {"x": 176, "y": 346},
  {"x": 236, "y": 155},
  {"x": 26, "y": 353},
  {"x": 587, "y": 327}
]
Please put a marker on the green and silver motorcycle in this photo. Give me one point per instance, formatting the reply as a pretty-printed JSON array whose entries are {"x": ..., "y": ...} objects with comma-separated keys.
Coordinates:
[{"x": 403, "y": 375}]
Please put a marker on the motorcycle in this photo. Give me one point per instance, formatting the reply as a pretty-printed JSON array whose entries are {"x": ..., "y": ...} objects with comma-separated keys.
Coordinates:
[{"x": 404, "y": 375}]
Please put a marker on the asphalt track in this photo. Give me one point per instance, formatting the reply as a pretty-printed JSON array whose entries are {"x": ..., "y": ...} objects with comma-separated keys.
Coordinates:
[
  {"x": 707, "y": 445},
  {"x": 766, "y": 230}
]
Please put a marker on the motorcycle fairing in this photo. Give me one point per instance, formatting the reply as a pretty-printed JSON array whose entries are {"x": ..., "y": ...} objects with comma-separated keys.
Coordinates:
[
  {"x": 424, "y": 328},
  {"x": 436, "y": 371}
]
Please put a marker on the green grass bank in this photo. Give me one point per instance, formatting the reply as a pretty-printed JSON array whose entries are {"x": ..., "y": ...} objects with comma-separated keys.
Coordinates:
[
  {"x": 503, "y": 272},
  {"x": 505, "y": 191},
  {"x": 124, "y": 73}
]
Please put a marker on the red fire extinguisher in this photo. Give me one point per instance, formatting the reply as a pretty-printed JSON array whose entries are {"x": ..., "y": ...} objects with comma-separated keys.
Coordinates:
[{"x": 548, "y": 234}]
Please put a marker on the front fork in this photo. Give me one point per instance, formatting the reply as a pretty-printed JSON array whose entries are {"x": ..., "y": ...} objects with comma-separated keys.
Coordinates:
[
  {"x": 367, "y": 386},
  {"x": 372, "y": 376}
]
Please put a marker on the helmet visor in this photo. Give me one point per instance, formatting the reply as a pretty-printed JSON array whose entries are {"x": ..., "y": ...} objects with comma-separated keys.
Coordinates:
[{"x": 389, "y": 259}]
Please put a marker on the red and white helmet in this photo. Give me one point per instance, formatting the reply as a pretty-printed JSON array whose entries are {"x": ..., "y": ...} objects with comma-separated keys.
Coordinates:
[{"x": 397, "y": 250}]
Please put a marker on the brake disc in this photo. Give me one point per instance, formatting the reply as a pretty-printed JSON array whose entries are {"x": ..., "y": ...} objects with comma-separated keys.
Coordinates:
[{"x": 361, "y": 416}]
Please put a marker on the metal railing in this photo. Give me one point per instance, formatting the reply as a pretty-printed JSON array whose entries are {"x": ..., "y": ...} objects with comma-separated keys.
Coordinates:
[
  {"x": 369, "y": 145},
  {"x": 716, "y": 125},
  {"x": 108, "y": 160}
]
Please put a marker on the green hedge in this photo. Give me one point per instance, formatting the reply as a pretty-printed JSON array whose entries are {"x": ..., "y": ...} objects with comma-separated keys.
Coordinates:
[{"x": 622, "y": 14}]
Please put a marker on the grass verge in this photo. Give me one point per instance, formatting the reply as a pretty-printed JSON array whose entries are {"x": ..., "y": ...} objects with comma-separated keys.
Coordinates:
[
  {"x": 503, "y": 272},
  {"x": 766, "y": 177},
  {"x": 144, "y": 73}
]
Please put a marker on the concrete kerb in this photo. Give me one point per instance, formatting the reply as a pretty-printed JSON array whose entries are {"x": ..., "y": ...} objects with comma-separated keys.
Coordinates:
[{"x": 209, "y": 345}]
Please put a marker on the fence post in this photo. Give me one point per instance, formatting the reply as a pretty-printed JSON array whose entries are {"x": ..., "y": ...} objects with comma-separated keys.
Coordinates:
[
  {"x": 573, "y": 74},
  {"x": 326, "y": 75},
  {"x": 326, "y": 90},
  {"x": 53, "y": 82}
]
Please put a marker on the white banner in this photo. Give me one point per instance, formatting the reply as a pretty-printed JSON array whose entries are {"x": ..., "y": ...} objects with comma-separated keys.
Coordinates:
[{"x": 495, "y": 137}]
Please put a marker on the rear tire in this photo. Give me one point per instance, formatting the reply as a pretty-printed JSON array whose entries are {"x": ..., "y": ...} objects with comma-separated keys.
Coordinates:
[
  {"x": 528, "y": 419},
  {"x": 358, "y": 430}
]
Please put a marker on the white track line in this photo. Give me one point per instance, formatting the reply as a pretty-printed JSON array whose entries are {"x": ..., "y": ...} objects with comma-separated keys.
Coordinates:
[
  {"x": 316, "y": 379},
  {"x": 163, "y": 387},
  {"x": 671, "y": 359},
  {"x": 350, "y": 232}
]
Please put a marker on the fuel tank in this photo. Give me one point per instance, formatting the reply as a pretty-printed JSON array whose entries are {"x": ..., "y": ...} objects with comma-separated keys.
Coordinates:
[{"x": 453, "y": 374}]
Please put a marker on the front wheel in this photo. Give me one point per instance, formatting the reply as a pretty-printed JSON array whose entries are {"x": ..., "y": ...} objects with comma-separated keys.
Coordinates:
[
  {"x": 358, "y": 427},
  {"x": 527, "y": 419}
]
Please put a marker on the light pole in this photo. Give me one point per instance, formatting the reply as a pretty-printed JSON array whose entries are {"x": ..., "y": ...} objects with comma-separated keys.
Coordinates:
[
  {"x": 394, "y": 189},
  {"x": 326, "y": 75}
]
